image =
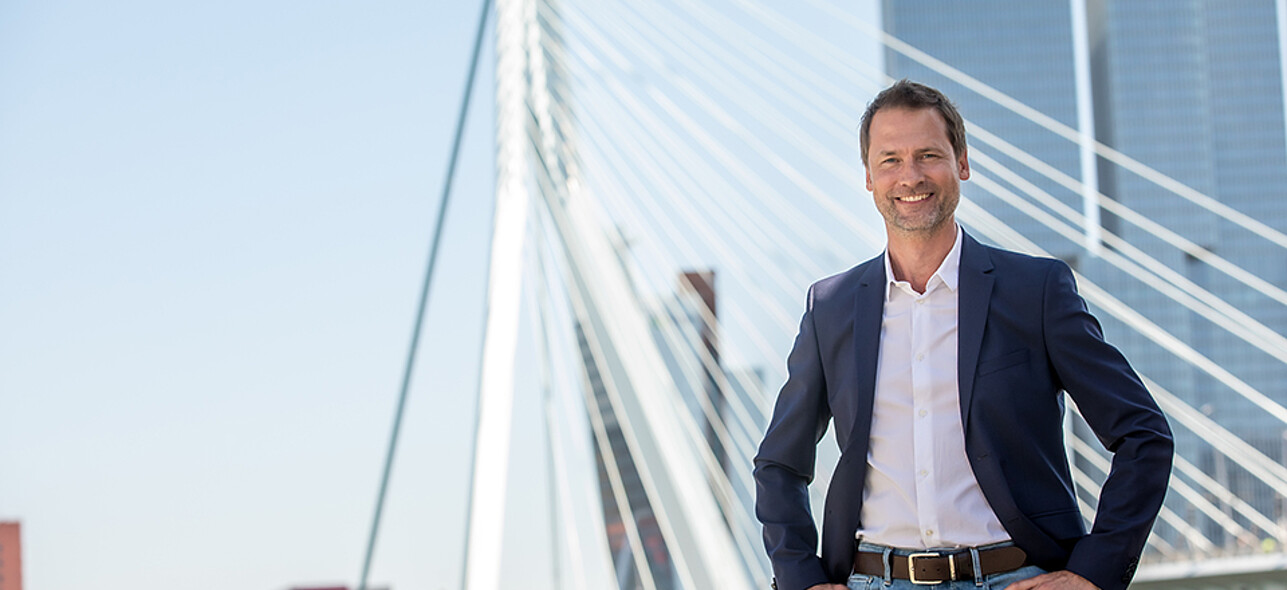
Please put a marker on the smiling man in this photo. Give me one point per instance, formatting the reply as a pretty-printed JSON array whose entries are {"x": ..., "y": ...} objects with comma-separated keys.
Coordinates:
[{"x": 943, "y": 364}]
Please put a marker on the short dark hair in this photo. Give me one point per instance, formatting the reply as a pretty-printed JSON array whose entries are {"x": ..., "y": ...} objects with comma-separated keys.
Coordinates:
[{"x": 913, "y": 95}]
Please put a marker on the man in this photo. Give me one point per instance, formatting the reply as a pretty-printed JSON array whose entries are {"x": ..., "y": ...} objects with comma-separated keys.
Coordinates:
[{"x": 943, "y": 364}]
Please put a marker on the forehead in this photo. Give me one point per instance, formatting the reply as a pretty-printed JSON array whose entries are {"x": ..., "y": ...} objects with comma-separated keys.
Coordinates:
[{"x": 898, "y": 128}]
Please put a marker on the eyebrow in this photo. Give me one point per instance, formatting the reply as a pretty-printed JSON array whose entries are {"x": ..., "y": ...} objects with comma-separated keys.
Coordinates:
[{"x": 924, "y": 150}]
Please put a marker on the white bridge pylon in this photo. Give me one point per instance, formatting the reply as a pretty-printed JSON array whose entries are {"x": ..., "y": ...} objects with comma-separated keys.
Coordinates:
[{"x": 533, "y": 155}]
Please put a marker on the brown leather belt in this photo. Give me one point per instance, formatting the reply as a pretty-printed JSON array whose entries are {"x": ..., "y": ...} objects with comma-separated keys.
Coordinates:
[{"x": 937, "y": 567}]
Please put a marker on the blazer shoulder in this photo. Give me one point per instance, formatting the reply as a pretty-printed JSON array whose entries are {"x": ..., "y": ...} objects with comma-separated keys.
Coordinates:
[{"x": 1009, "y": 261}]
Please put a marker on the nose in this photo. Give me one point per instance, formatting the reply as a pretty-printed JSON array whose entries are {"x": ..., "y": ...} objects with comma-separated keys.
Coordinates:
[{"x": 910, "y": 174}]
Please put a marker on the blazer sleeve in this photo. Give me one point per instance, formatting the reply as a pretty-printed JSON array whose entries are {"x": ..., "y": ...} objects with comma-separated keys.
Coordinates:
[
  {"x": 784, "y": 465},
  {"x": 1127, "y": 422}
]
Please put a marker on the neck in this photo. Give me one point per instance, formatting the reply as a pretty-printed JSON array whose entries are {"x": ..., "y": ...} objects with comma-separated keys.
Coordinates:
[{"x": 914, "y": 256}]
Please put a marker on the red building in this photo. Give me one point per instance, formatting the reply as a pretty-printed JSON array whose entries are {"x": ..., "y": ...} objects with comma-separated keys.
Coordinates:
[{"x": 10, "y": 556}]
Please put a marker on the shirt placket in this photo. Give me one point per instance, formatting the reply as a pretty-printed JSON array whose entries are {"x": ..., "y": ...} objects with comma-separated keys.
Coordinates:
[{"x": 922, "y": 423}]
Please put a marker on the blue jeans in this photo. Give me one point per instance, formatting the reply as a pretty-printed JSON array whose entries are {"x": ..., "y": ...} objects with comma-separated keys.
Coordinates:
[{"x": 989, "y": 582}]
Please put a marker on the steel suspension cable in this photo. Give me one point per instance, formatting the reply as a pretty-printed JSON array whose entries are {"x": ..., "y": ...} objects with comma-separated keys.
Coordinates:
[
  {"x": 1260, "y": 338},
  {"x": 1133, "y": 217},
  {"x": 1045, "y": 169},
  {"x": 424, "y": 293},
  {"x": 1137, "y": 264},
  {"x": 672, "y": 236},
  {"x": 1154, "y": 333},
  {"x": 744, "y": 173}
]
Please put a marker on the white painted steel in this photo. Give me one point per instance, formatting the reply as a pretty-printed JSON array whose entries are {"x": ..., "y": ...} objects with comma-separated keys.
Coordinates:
[
  {"x": 1085, "y": 125},
  {"x": 639, "y": 386},
  {"x": 1281, "y": 10},
  {"x": 583, "y": 558},
  {"x": 504, "y": 291}
]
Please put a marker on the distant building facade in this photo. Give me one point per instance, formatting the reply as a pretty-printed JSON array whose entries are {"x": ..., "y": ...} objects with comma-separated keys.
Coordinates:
[{"x": 10, "y": 556}]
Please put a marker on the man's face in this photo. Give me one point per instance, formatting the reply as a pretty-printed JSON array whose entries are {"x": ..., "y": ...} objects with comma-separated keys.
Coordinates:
[{"x": 912, "y": 172}]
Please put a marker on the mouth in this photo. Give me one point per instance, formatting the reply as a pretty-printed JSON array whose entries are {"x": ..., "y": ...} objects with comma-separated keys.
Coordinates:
[{"x": 916, "y": 198}]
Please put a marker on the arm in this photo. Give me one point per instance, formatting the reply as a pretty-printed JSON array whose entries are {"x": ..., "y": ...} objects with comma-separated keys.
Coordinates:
[
  {"x": 1127, "y": 421},
  {"x": 785, "y": 463}
]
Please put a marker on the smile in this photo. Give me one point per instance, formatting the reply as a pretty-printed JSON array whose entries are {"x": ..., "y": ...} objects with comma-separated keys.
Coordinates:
[{"x": 914, "y": 198}]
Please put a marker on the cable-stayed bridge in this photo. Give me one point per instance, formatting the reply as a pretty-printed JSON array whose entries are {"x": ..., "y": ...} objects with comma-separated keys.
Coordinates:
[{"x": 672, "y": 175}]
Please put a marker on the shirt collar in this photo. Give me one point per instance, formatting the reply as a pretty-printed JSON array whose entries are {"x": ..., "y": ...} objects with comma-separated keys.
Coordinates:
[{"x": 949, "y": 271}]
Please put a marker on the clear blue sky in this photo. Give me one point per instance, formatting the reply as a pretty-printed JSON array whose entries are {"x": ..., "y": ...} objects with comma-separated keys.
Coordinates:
[{"x": 214, "y": 219}]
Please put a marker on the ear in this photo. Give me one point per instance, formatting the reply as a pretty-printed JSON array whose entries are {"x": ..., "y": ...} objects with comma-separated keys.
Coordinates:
[
  {"x": 867, "y": 170},
  {"x": 963, "y": 163}
]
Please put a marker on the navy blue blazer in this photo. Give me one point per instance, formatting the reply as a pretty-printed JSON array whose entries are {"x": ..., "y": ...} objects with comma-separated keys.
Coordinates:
[{"x": 1025, "y": 338}]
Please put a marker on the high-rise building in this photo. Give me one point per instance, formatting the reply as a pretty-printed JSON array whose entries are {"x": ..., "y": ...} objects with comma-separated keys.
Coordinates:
[
  {"x": 10, "y": 556},
  {"x": 1194, "y": 90}
]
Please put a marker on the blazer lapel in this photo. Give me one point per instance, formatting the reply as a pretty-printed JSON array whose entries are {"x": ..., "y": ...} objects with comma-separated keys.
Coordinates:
[
  {"x": 973, "y": 301},
  {"x": 869, "y": 307}
]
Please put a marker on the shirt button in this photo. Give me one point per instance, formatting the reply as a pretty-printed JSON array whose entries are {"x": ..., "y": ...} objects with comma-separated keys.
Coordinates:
[
  {"x": 929, "y": 532},
  {"x": 922, "y": 413},
  {"x": 920, "y": 301},
  {"x": 924, "y": 473},
  {"x": 920, "y": 357}
]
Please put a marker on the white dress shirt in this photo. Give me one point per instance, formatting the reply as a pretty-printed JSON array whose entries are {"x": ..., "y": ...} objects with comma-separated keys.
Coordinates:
[{"x": 920, "y": 491}]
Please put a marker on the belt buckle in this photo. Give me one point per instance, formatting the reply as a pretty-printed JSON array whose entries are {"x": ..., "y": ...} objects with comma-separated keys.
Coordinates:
[{"x": 911, "y": 569}]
